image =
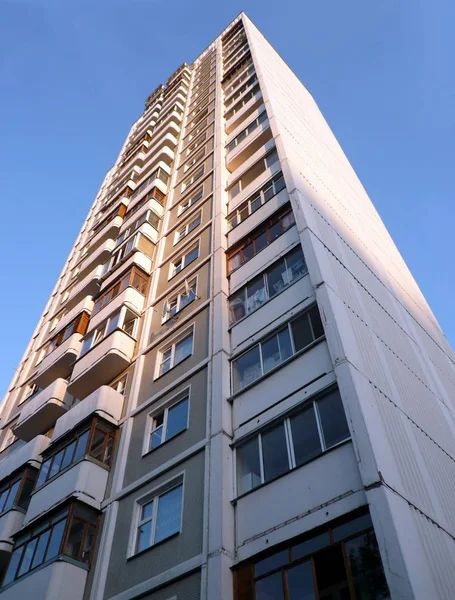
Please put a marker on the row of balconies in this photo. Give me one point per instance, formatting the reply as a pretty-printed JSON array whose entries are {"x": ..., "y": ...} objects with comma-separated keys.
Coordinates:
[{"x": 55, "y": 479}]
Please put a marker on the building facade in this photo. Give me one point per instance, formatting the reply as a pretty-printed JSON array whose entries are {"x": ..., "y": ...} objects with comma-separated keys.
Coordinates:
[{"x": 236, "y": 390}]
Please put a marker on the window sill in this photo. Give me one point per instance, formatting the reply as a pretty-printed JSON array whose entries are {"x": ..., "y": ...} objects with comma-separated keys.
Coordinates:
[
  {"x": 275, "y": 369},
  {"x": 164, "y": 443},
  {"x": 141, "y": 552},
  {"x": 261, "y": 485}
]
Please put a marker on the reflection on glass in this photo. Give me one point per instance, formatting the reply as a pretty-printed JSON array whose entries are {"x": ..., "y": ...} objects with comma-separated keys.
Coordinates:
[
  {"x": 275, "y": 453},
  {"x": 366, "y": 568},
  {"x": 270, "y": 588},
  {"x": 248, "y": 466},
  {"x": 300, "y": 582}
]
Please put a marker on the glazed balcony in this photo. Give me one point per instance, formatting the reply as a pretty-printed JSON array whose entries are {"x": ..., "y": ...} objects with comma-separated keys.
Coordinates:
[
  {"x": 158, "y": 178},
  {"x": 95, "y": 257},
  {"x": 88, "y": 286},
  {"x": 42, "y": 410},
  {"x": 242, "y": 147},
  {"x": 85, "y": 305},
  {"x": 27, "y": 454},
  {"x": 108, "y": 226},
  {"x": 106, "y": 359}
]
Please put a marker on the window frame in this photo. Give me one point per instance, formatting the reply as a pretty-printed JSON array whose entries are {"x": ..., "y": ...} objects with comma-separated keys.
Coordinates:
[
  {"x": 171, "y": 345},
  {"x": 130, "y": 273},
  {"x": 188, "y": 227},
  {"x": 183, "y": 258},
  {"x": 181, "y": 396},
  {"x": 149, "y": 497},
  {"x": 286, "y": 421},
  {"x": 102, "y": 332},
  {"x": 185, "y": 204},
  {"x": 274, "y": 334},
  {"x": 177, "y": 297}
]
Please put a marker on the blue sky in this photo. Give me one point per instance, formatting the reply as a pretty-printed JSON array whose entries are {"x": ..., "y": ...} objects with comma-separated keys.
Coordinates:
[{"x": 75, "y": 75}]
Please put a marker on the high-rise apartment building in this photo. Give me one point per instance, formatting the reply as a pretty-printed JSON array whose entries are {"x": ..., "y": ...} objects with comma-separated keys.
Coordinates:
[{"x": 236, "y": 390}]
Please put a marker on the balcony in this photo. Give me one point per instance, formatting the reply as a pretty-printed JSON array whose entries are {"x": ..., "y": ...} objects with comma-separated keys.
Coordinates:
[
  {"x": 130, "y": 298},
  {"x": 159, "y": 178},
  {"x": 41, "y": 411},
  {"x": 85, "y": 305},
  {"x": 60, "y": 579},
  {"x": 10, "y": 523},
  {"x": 104, "y": 401},
  {"x": 249, "y": 145},
  {"x": 102, "y": 363},
  {"x": 28, "y": 454},
  {"x": 88, "y": 286},
  {"x": 96, "y": 257}
]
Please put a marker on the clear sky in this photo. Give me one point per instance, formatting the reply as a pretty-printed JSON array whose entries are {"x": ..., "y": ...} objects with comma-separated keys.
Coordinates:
[{"x": 74, "y": 76}]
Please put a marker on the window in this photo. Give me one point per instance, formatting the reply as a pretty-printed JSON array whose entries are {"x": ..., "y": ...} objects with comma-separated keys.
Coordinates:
[
  {"x": 269, "y": 161},
  {"x": 260, "y": 238},
  {"x": 17, "y": 493},
  {"x": 124, "y": 319},
  {"x": 78, "y": 325},
  {"x": 132, "y": 278},
  {"x": 120, "y": 385},
  {"x": 154, "y": 194},
  {"x": 118, "y": 212},
  {"x": 149, "y": 217},
  {"x": 275, "y": 349},
  {"x": 157, "y": 174},
  {"x": 183, "y": 261},
  {"x": 194, "y": 159},
  {"x": 185, "y": 204},
  {"x": 172, "y": 355},
  {"x": 176, "y": 303},
  {"x": 188, "y": 228},
  {"x": 31, "y": 390},
  {"x": 320, "y": 565},
  {"x": 159, "y": 518},
  {"x": 9, "y": 438},
  {"x": 71, "y": 532},
  {"x": 276, "y": 278},
  {"x": 137, "y": 243},
  {"x": 168, "y": 423},
  {"x": 197, "y": 175},
  {"x": 95, "y": 439},
  {"x": 247, "y": 131},
  {"x": 243, "y": 100},
  {"x": 256, "y": 200},
  {"x": 292, "y": 442}
]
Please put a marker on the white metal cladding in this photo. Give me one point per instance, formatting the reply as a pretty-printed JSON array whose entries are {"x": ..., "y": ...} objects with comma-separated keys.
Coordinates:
[{"x": 401, "y": 379}]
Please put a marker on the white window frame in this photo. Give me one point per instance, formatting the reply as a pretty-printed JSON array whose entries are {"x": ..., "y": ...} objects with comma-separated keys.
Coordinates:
[
  {"x": 200, "y": 154},
  {"x": 193, "y": 282},
  {"x": 98, "y": 334},
  {"x": 171, "y": 346},
  {"x": 150, "y": 496},
  {"x": 189, "y": 202},
  {"x": 191, "y": 180},
  {"x": 118, "y": 383},
  {"x": 184, "y": 230},
  {"x": 182, "y": 257},
  {"x": 182, "y": 395},
  {"x": 9, "y": 438}
]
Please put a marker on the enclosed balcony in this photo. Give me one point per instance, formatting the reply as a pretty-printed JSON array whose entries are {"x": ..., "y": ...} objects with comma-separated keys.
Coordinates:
[
  {"x": 248, "y": 141},
  {"x": 42, "y": 410},
  {"x": 88, "y": 286},
  {"x": 85, "y": 305},
  {"x": 51, "y": 557},
  {"x": 108, "y": 226},
  {"x": 106, "y": 352},
  {"x": 96, "y": 257},
  {"x": 158, "y": 178}
]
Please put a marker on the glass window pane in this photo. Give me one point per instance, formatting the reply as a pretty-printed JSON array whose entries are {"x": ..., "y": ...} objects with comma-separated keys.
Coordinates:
[
  {"x": 275, "y": 231},
  {"x": 41, "y": 548},
  {"x": 300, "y": 582},
  {"x": 81, "y": 448},
  {"x": 177, "y": 418},
  {"x": 68, "y": 458},
  {"x": 366, "y": 568},
  {"x": 255, "y": 204},
  {"x": 74, "y": 542},
  {"x": 247, "y": 368},
  {"x": 88, "y": 543},
  {"x": 12, "y": 567},
  {"x": 351, "y": 527},
  {"x": 112, "y": 323},
  {"x": 301, "y": 332},
  {"x": 26, "y": 492},
  {"x": 248, "y": 252},
  {"x": 284, "y": 340},
  {"x": 56, "y": 465},
  {"x": 191, "y": 256},
  {"x": 331, "y": 573},
  {"x": 97, "y": 445},
  {"x": 56, "y": 539},
  {"x": 255, "y": 292},
  {"x": 248, "y": 466},
  {"x": 12, "y": 495},
  {"x": 295, "y": 264},
  {"x": 169, "y": 514},
  {"x": 269, "y": 192},
  {"x": 144, "y": 533},
  {"x": 27, "y": 558},
  {"x": 305, "y": 436},
  {"x": 3, "y": 497},
  {"x": 237, "y": 306},
  {"x": 316, "y": 322},
  {"x": 277, "y": 278},
  {"x": 333, "y": 420},
  {"x": 270, "y": 588},
  {"x": 312, "y": 545},
  {"x": 43, "y": 472},
  {"x": 183, "y": 349},
  {"x": 260, "y": 242},
  {"x": 274, "y": 452},
  {"x": 271, "y": 563},
  {"x": 156, "y": 437}
]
